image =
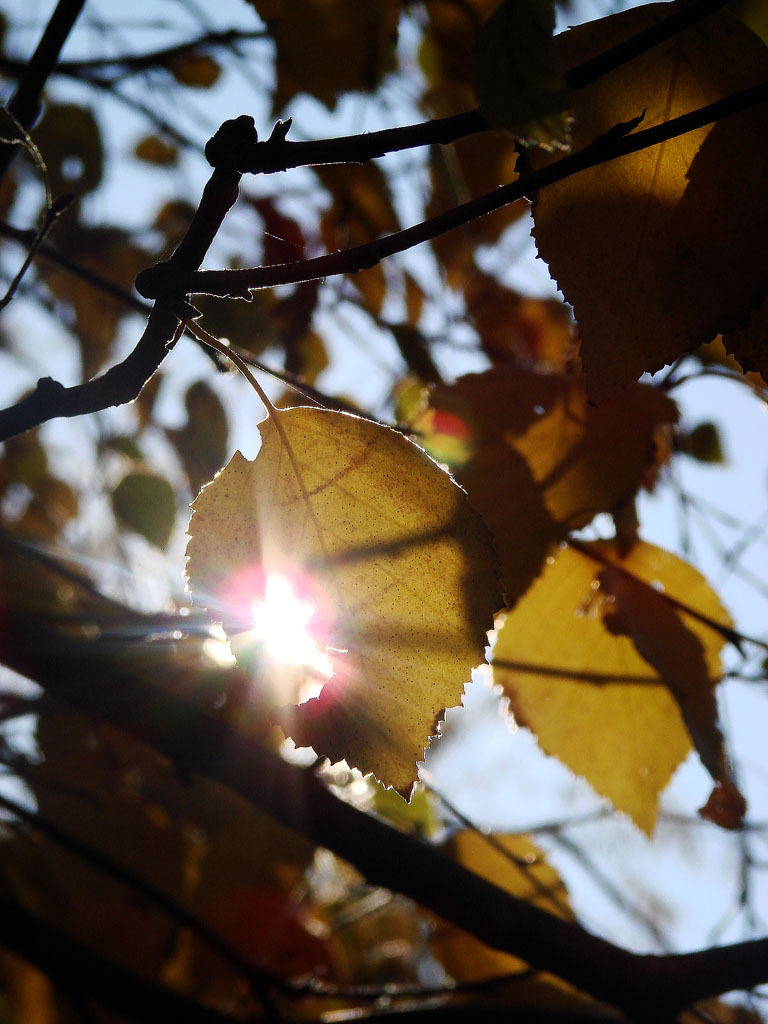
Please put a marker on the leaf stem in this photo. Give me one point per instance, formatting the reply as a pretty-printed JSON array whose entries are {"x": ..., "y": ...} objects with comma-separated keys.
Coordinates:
[
  {"x": 202, "y": 335},
  {"x": 274, "y": 417}
]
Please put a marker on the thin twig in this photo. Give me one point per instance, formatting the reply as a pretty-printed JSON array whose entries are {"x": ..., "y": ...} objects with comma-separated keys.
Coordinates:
[
  {"x": 161, "y": 58},
  {"x": 24, "y": 105},
  {"x": 123, "y": 383},
  {"x": 52, "y": 213}
]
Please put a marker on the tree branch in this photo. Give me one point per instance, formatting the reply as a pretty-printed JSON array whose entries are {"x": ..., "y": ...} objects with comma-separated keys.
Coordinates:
[
  {"x": 76, "y": 969},
  {"x": 163, "y": 280},
  {"x": 92, "y": 676},
  {"x": 278, "y": 154},
  {"x": 81, "y": 972},
  {"x": 25, "y": 102},
  {"x": 123, "y": 383}
]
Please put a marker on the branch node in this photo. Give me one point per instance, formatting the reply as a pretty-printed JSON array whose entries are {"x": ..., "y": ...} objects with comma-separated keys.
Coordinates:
[
  {"x": 49, "y": 390},
  {"x": 224, "y": 148}
]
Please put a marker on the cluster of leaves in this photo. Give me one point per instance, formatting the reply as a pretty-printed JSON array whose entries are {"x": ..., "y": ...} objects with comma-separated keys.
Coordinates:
[{"x": 414, "y": 542}]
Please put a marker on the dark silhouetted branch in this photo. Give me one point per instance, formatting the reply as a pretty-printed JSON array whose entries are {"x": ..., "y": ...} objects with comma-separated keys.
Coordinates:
[
  {"x": 155, "y": 896},
  {"x": 278, "y": 154},
  {"x": 91, "y": 675},
  {"x": 123, "y": 383},
  {"x": 136, "y": 62},
  {"x": 164, "y": 280},
  {"x": 25, "y": 102}
]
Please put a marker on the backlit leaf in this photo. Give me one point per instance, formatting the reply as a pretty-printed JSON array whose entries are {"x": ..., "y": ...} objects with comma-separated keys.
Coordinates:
[
  {"x": 536, "y": 459},
  {"x": 146, "y": 504},
  {"x": 518, "y": 81},
  {"x": 610, "y": 676},
  {"x": 327, "y": 47},
  {"x": 660, "y": 250},
  {"x": 382, "y": 543},
  {"x": 202, "y": 442},
  {"x": 198, "y": 70},
  {"x": 69, "y": 139}
]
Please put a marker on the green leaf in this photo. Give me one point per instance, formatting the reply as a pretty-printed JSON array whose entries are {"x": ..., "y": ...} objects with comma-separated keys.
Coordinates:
[
  {"x": 146, "y": 504},
  {"x": 518, "y": 82},
  {"x": 69, "y": 139}
]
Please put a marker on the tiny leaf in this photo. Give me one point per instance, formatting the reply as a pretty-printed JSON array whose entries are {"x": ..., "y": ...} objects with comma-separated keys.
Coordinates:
[
  {"x": 197, "y": 70},
  {"x": 703, "y": 444},
  {"x": 152, "y": 149}
]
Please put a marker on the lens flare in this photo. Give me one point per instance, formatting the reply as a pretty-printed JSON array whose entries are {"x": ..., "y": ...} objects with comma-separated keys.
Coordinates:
[{"x": 281, "y": 623}]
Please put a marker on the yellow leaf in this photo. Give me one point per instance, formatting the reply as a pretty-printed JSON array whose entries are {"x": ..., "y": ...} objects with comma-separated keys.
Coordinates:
[
  {"x": 153, "y": 149},
  {"x": 326, "y": 47},
  {"x": 536, "y": 459},
  {"x": 517, "y": 865},
  {"x": 607, "y": 671},
  {"x": 660, "y": 250},
  {"x": 385, "y": 547},
  {"x": 198, "y": 70}
]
